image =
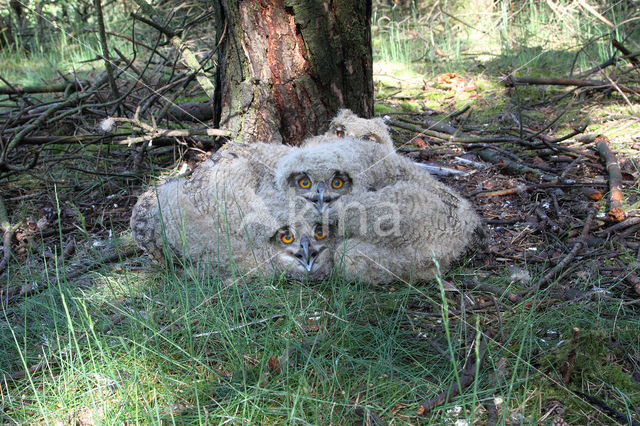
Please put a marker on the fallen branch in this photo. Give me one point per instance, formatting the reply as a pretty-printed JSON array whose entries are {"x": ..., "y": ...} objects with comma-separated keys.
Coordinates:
[
  {"x": 512, "y": 166},
  {"x": 467, "y": 375},
  {"x": 492, "y": 412},
  {"x": 448, "y": 137},
  {"x": 616, "y": 212},
  {"x": 8, "y": 231},
  {"x": 630, "y": 221},
  {"x": 437, "y": 125},
  {"x": 527, "y": 188},
  {"x": 628, "y": 54},
  {"x": 154, "y": 132},
  {"x": 13, "y": 143},
  {"x": 238, "y": 327},
  {"x": 38, "y": 89},
  {"x": 515, "y": 81},
  {"x": 614, "y": 414},
  {"x": 442, "y": 171},
  {"x": 572, "y": 254}
]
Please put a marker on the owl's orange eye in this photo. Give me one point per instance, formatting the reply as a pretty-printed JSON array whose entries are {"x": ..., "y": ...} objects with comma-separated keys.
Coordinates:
[
  {"x": 337, "y": 183},
  {"x": 304, "y": 183},
  {"x": 319, "y": 233},
  {"x": 287, "y": 237},
  {"x": 340, "y": 133}
]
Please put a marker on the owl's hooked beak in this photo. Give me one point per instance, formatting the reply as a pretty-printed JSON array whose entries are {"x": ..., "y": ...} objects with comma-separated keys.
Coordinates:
[
  {"x": 304, "y": 255},
  {"x": 318, "y": 198}
]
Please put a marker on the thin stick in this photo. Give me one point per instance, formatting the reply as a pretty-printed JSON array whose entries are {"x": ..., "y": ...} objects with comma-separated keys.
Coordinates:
[
  {"x": 572, "y": 254},
  {"x": 513, "y": 81},
  {"x": 105, "y": 50},
  {"x": 616, "y": 212},
  {"x": 630, "y": 221},
  {"x": 629, "y": 55},
  {"x": 468, "y": 374},
  {"x": 260, "y": 321},
  {"x": 8, "y": 231},
  {"x": 38, "y": 89}
]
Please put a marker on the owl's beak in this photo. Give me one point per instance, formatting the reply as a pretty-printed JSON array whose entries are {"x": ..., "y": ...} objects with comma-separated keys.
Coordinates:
[
  {"x": 318, "y": 198},
  {"x": 304, "y": 255}
]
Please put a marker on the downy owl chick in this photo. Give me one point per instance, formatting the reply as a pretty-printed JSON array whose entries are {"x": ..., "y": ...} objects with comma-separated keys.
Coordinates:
[
  {"x": 347, "y": 124},
  {"x": 394, "y": 220},
  {"x": 203, "y": 218},
  {"x": 301, "y": 248},
  {"x": 319, "y": 174}
]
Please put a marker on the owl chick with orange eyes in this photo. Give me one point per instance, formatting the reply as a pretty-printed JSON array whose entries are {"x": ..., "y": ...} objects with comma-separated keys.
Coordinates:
[
  {"x": 394, "y": 220},
  {"x": 228, "y": 215},
  {"x": 302, "y": 249}
]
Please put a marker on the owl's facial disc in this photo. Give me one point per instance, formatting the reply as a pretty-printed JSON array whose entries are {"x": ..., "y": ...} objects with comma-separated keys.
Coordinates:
[{"x": 307, "y": 251}]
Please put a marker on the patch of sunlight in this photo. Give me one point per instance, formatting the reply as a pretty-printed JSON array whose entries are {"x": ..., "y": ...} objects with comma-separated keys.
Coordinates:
[{"x": 396, "y": 74}]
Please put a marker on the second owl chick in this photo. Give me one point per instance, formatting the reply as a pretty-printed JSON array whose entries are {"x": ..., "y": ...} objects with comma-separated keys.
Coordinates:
[
  {"x": 347, "y": 124},
  {"x": 395, "y": 219},
  {"x": 229, "y": 213}
]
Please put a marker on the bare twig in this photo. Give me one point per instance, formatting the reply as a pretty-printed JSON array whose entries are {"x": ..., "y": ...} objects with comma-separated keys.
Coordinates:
[
  {"x": 38, "y": 89},
  {"x": 572, "y": 254},
  {"x": 8, "y": 231},
  {"x": 526, "y": 188},
  {"x": 154, "y": 132},
  {"x": 467, "y": 375},
  {"x": 512, "y": 166},
  {"x": 614, "y": 414},
  {"x": 630, "y": 221},
  {"x": 105, "y": 50},
  {"x": 616, "y": 212},
  {"x": 448, "y": 137},
  {"x": 628, "y": 54},
  {"x": 514, "y": 81},
  {"x": 249, "y": 324}
]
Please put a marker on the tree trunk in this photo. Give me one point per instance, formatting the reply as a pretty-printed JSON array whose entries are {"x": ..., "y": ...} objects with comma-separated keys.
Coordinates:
[{"x": 287, "y": 66}]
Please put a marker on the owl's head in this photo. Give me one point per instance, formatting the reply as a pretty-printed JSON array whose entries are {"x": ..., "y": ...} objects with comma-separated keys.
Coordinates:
[
  {"x": 347, "y": 124},
  {"x": 321, "y": 174},
  {"x": 301, "y": 250}
]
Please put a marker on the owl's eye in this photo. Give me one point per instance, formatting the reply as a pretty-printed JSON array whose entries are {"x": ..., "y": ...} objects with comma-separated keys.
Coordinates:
[
  {"x": 304, "y": 183},
  {"x": 319, "y": 233},
  {"x": 337, "y": 183},
  {"x": 340, "y": 133},
  {"x": 287, "y": 237}
]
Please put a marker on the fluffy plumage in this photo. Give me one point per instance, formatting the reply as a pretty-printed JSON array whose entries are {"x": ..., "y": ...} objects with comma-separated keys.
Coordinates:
[
  {"x": 229, "y": 213},
  {"x": 395, "y": 218},
  {"x": 347, "y": 124}
]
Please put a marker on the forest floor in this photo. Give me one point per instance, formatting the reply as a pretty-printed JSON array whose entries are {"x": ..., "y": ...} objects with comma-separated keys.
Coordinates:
[{"x": 542, "y": 326}]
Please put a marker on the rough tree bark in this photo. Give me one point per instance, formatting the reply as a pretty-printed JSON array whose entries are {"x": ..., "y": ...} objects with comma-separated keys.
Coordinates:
[{"x": 287, "y": 66}]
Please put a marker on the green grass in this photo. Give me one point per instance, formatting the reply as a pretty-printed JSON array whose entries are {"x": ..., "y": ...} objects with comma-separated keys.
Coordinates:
[{"x": 145, "y": 345}]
